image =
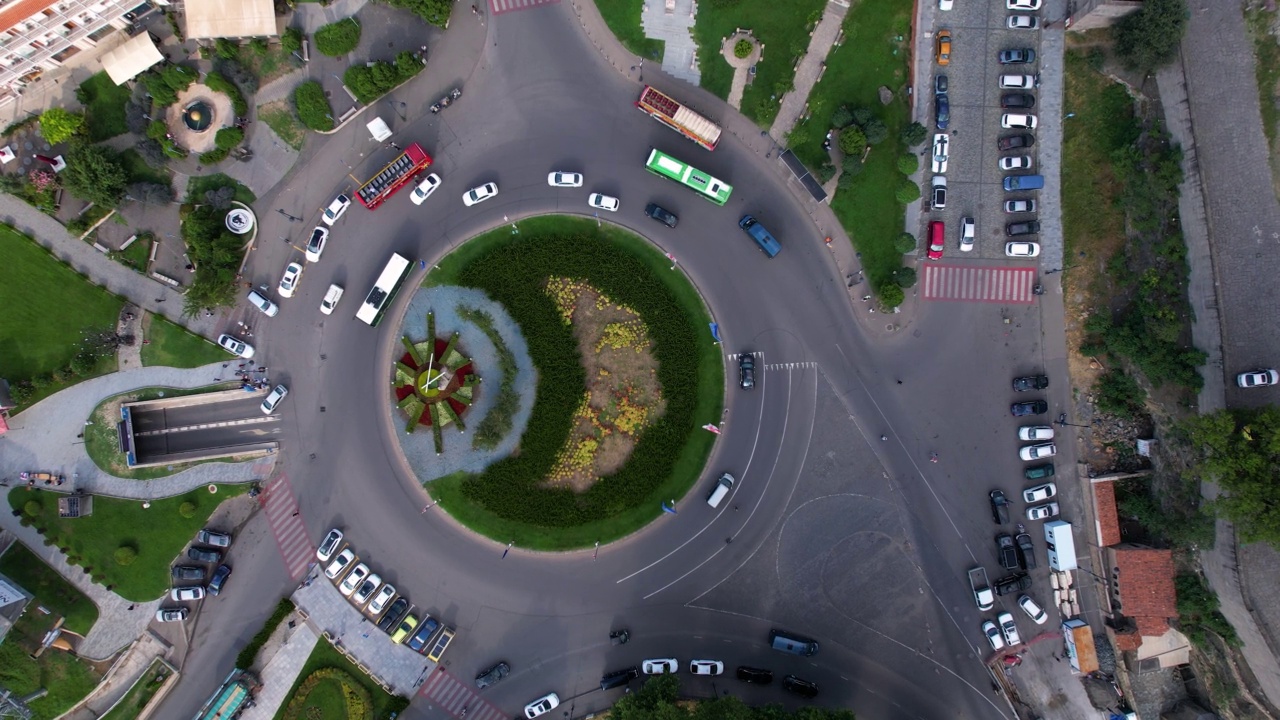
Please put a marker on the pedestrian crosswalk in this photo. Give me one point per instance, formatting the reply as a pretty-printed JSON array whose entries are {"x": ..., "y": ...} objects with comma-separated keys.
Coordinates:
[
  {"x": 497, "y": 7},
  {"x": 970, "y": 283},
  {"x": 281, "y": 506},
  {"x": 455, "y": 697}
]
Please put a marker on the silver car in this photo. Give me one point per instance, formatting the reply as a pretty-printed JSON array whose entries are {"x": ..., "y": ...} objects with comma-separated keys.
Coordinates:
[{"x": 273, "y": 399}]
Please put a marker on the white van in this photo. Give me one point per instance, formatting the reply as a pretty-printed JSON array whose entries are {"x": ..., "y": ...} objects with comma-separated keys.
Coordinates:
[{"x": 721, "y": 489}]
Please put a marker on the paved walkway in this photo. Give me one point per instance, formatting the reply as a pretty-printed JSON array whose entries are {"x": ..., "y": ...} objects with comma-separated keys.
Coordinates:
[
  {"x": 741, "y": 66},
  {"x": 280, "y": 672},
  {"x": 810, "y": 69},
  {"x": 120, "y": 679},
  {"x": 675, "y": 28}
]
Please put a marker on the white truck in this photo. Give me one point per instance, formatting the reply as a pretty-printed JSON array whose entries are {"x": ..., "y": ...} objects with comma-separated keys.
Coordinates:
[{"x": 981, "y": 587}]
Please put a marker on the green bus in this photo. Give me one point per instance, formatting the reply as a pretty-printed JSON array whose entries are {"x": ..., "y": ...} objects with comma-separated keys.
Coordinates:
[{"x": 717, "y": 191}]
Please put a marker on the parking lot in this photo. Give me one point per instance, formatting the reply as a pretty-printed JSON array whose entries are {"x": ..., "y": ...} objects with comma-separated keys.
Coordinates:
[{"x": 978, "y": 34}]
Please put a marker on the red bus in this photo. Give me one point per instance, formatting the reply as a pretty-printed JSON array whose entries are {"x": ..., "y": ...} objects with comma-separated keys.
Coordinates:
[
  {"x": 394, "y": 176},
  {"x": 666, "y": 110}
]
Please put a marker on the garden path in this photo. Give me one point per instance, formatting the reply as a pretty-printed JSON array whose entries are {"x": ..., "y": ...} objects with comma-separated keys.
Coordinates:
[{"x": 810, "y": 69}]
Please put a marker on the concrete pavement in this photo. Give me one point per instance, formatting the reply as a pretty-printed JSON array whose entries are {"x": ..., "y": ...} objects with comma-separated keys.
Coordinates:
[
  {"x": 280, "y": 672},
  {"x": 120, "y": 679},
  {"x": 812, "y": 64},
  {"x": 675, "y": 28}
]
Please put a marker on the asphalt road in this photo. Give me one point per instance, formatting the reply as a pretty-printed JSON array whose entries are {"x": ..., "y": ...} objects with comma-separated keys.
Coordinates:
[{"x": 831, "y": 532}]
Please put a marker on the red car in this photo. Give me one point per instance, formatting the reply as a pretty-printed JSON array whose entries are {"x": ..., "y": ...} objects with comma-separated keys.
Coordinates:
[{"x": 937, "y": 235}]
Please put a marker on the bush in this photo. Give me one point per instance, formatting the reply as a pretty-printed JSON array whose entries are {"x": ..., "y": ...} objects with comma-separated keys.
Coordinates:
[
  {"x": 249, "y": 653},
  {"x": 150, "y": 193},
  {"x": 742, "y": 48},
  {"x": 435, "y": 12},
  {"x": 1118, "y": 393},
  {"x": 862, "y": 116},
  {"x": 187, "y": 509},
  {"x": 847, "y": 180},
  {"x": 214, "y": 156},
  {"x": 291, "y": 40},
  {"x": 369, "y": 82},
  {"x": 216, "y": 81},
  {"x": 228, "y": 138},
  {"x": 125, "y": 555},
  {"x": 226, "y": 49},
  {"x": 58, "y": 125},
  {"x": 825, "y": 172},
  {"x": 906, "y": 243},
  {"x": 852, "y": 141},
  {"x": 32, "y": 508},
  {"x": 913, "y": 134},
  {"x": 236, "y": 73},
  {"x": 312, "y": 106},
  {"x": 905, "y": 277},
  {"x": 891, "y": 296},
  {"x": 220, "y": 198},
  {"x": 851, "y": 165},
  {"x": 338, "y": 38},
  {"x": 165, "y": 84},
  {"x": 908, "y": 192},
  {"x": 258, "y": 47},
  {"x": 908, "y": 163},
  {"x": 842, "y": 117},
  {"x": 1148, "y": 38},
  {"x": 157, "y": 130},
  {"x": 875, "y": 130},
  {"x": 95, "y": 173},
  {"x": 151, "y": 153}
]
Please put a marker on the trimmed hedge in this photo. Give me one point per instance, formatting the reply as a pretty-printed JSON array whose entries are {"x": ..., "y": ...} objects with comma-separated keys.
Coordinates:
[
  {"x": 338, "y": 38},
  {"x": 313, "y": 107},
  {"x": 217, "y": 82},
  {"x": 249, "y": 653},
  {"x": 513, "y": 274},
  {"x": 369, "y": 82}
]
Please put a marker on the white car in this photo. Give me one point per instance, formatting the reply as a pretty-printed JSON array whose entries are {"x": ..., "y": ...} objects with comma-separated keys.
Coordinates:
[
  {"x": 946, "y": 5},
  {"x": 1015, "y": 162},
  {"x": 273, "y": 399},
  {"x": 336, "y": 209},
  {"x": 1039, "y": 492},
  {"x": 1023, "y": 22},
  {"x": 939, "y": 198},
  {"x": 706, "y": 667},
  {"x": 1019, "y": 206},
  {"x": 564, "y": 179},
  {"x": 353, "y": 580},
  {"x": 603, "y": 202},
  {"x": 660, "y": 666},
  {"x": 1042, "y": 512},
  {"x": 366, "y": 590},
  {"x": 1036, "y": 452},
  {"x": 1033, "y": 611},
  {"x": 329, "y": 545},
  {"x": 1257, "y": 378},
  {"x": 941, "y": 152},
  {"x": 1035, "y": 432},
  {"x": 340, "y": 563},
  {"x": 172, "y": 614},
  {"x": 1015, "y": 121},
  {"x": 289, "y": 282},
  {"x": 315, "y": 245},
  {"x": 993, "y": 635},
  {"x": 480, "y": 194},
  {"x": 425, "y": 188},
  {"x": 379, "y": 601},
  {"x": 1018, "y": 82},
  {"x": 1022, "y": 4},
  {"x": 542, "y": 706},
  {"x": 1009, "y": 629},
  {"x": 1022, "y": 249},
  {"x": 235, "y": 346},
  {"x": 968, "y": 232},
  {"x": 184, "y": 594},
  {"x": 331, "y": 298}
]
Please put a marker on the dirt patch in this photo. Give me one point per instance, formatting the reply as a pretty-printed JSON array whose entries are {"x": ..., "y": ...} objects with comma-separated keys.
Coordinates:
[{"x": 623, "y": 395}]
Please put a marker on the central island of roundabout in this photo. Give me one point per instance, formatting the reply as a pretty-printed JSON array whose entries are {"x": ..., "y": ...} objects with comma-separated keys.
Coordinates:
[{"x": 551, "y": 387}]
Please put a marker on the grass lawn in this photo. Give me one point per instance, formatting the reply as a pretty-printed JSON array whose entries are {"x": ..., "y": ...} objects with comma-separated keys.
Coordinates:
[
  {"x": 50, "y": 589},
  {"x": 157, "y": 533},
  {"x": 174, "y": 346},
  {"x": 280, "y": 118},
  {"x": 1266, "y": 66},
  {"x": 66, "y": 678},
  {"x": 783, "y": 27},
  {"x": 623, "y": 19},
  {"x": 689, "y": 464},
  {"x": 140, "y": 171},
  {"x": 47, "y": 306},
  {"x": 199, "y": 185},
  {"x": 137, "y": 254},
  {"x": 131, "y": 706},
  {"x": 103, "y": 447},
  {"x": 870, "y": 56},
  {"x": 104, "y": 103},
  {"x": 324, "y": 656},
  {"x": 268, "y": 66}
]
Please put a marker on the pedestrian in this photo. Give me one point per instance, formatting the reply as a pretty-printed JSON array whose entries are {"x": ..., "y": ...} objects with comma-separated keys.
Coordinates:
[
  {"x": 160, "y": 300},
  {"x": 131, "y": 607},
  {"x": 217, "y": 379},
  {"x": 475, "y": 10},
  {"x": 295, "y": 513},
  {"x": 899, "y": 382}
]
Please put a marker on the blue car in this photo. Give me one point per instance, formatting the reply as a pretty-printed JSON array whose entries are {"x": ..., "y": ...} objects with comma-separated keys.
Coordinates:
[
  {"x": 219, "y": 579},
  {"x": 942, "y": 112},
  {"x": 418, "y": 643}
]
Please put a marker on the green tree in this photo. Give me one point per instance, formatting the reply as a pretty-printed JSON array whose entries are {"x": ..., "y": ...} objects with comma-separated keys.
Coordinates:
[
  {"x": 58, "y": 125},
  {"x": 905, "y": 243},
  {"x": 1148, "y": 38},
  {"x": 1198, "y": 612},
  {"x": 908, "y": 192},
  {"x": 312, "y": 106},
  {"x": 125, "y": 555},
  {"x": 891, "y": 296},
  {"x": 914, "y": 134},
  {"x": 291, "y": 40},
  {"x": 338, "y": 38},
  {"x": 908, "y": 163},
  {"x": 905, "y": 277},
  {"x": 852, "y": 141},
  {"x": 842, "y": 117},
  {"x": 225, "y": 48},
  {"x": 741, "y": 49},
  {"x": 435, "y": 12},
  {"x": 1118, "y": 393},
  {"x": 94, "y": 173},
  {"x": 862, "y": 116},
  {"x": 875, "y": 130},
  {"x": 1240, "y": 451}
]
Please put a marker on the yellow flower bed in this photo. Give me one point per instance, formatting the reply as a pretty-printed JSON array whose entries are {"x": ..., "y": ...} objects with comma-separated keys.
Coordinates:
[{"x": 623, "y": 335}]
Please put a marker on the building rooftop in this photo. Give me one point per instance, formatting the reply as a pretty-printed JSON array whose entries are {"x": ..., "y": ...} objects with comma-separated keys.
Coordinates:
[{"x": 1104, "y": 503}]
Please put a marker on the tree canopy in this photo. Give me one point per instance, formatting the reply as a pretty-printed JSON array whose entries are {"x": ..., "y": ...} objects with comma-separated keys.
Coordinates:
[
  {"x": 1148, "y": 38},
  {"x": 656, "y": 700},
  {"x": 58, "y": 125},
  {"x": 94, "y": 173},
  {"x": 1240, "y": 451}
]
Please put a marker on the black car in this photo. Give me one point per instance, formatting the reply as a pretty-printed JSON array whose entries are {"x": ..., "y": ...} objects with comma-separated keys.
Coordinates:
[
  {"x": 1019, "y": 56},
  {"x": 803, "y": 688},
  {"x": 219, "y": 579},
  {"x": 1030, "y": 407},
  {"x": 1038, "y": 472},
  {"x": 187, "y": 572},
  {"x": 940, "y": 84},
  {"x": 1017, "y": 101},
  {"x": 999, "y": 507},
  {"x": 1008, "y": 551},
  {"x": 942, "y": 112},
  {"x": 1028, "y": 227},
  {"x": 619, "y": 637},
  {"x": 1013, "y": 584},
  {"x": 1015, "y": 142},
  {"x": 1030, "y": 382},
  {"x": 393, "y": 615},
  {"x": 1026, "y": 551},
  {"x": 493, "y": 675},
  {"x": 746, "y": 371},
  {"x": 204, "y": 555},
  {"x": 661, "y": 214},
  {"x": 755, "y": 676},
  {"x": 619, "y": 678}
]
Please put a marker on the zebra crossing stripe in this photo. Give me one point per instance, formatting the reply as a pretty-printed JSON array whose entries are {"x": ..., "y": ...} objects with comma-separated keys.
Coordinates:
[
  {"x": 968, "y": 283},
  {"x": 498, "y": 7}
]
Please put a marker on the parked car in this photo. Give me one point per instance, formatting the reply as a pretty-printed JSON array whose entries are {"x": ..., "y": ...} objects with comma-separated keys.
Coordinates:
[
  {"x": 1019, "y": 82},
  {"x": 405, "y": 627},
  {"x": 1011, "y": 584},
  {"x": 219, "y": 579},
  {"x": 187, "y": 594},
  {"x": 1018, "y": 121},
  {"x": 706, "y": 667},
  {"x": 492, "y": 675},
  {"x": 289, "y": 281},
  {"x": 1022, "y": 249},
  {"x": 1019, "y": 206},
  {"x": 1038, "y": 472},
  {"x": 1017, "y": 56},
  {"x": 993, "y": 635},
  {"x": 937, "y": 239},
  {"x": 939, "y": 185},
  {"x": 235, "y": 346},
  {"x": 754, "y": 676},
  {"x": 425, "y": 189},
  {"x": 1009, "y": 629},
  {"x": 216, "y": 538},
  {"x": 353, "y": 579},
  {"x": 264, "y": 306},
  {"x": 187, "y": 572},
  {"x": 1257, "y": 378},
  {"x": 315, "y": 244},
  {"x": 941, "y": 153},
  {"x": 1026, "y": 227},
  {"x": 968, "y": 233},
  {"x": 999, "y": 506},
  {"x": 391, "y": 618},
  {"x": 1023, "y": 22},
  {"x": 336, "y": 209},
  {"x": 428, "y": 628},
  {"x": 600, "y": 201},
  {"x": 1030, "y": 407},
  {"x": 1033, "y": 611},
  {"x": 204, "y": 555},
  {"x": 1017, "y": 101},
  {"x": 380, "y": 600},
  {"x": 1022, "y": 4},
  {"x": 1039, "y": 493},
  {"x": 1014, "y": 142},
  {"x": 542, "y": 706},
  {"x": 1042, "y": 512},
  {"x": 565, "y": 179},
  {"x": 797, "y": 686},
  {"x": 941, "y": 112},
  {"x": 940, "y": 84},
  {"x": 366, "y": 589},
  {"x": 1015, "y": 162},
  {"x": 944, "y": 47},
  {"x": 661, "y": 214},
  {"x": 1007, "y": 551},
  {"x": 477, "y": 195},
  {"x": 1026, "y": 551},
  {"x": 273, "y": 399},
  {"x": 329, "y": 545},
  {"x": 177, "y": 614},
  {"x": 1035, "y": 432},
  {"x": 1030, "y": 382},
  {"x": 1038, "y": 452},
  {"x": 660, "y": 666}
]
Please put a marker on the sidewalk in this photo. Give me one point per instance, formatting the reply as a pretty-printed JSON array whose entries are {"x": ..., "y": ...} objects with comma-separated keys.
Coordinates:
[
  {"x": 810, "y": 69},
  {"x": 279, "y": 674},
  {"x": 127, "y": 670}
]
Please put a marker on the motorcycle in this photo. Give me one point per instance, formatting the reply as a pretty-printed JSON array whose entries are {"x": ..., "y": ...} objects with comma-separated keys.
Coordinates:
[{"x": 446, "y": 101}]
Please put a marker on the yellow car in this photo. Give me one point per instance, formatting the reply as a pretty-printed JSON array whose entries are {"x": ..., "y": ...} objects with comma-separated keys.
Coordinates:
[
  {"x": 406, "y": 627},
  {"x": 944, "y": 47}
]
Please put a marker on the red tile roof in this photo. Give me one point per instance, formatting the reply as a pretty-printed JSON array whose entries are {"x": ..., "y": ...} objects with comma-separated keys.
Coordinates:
[
  {"x": 1127, "y": 640},
  {"x": 1104, "y": 503},
  {"x": 1146, "y": 587},
  {"x": 15, "y": 12}
]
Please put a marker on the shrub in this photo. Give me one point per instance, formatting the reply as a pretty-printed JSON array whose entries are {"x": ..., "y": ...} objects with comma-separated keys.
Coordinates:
[
  {"x": 1118, "y": 393},
  {"x": 216, "y": 81},
  {"x": 848, "y": 179},
  {"x": 94, "y": 173},
  {"x": 435, "y": 12},
  {"x": 875, "y": 130},
  {"x": 908, "y": 192},
  {"x": 236, "y": 73},
  {"x": 58, "y": 125},
  {"x": 891, "y": 296},
  {"x": 312, "y": 106},
  {"x": 249, "y": 653},
  {"x": 369, "y": 82},
  {"x": 227, "y": 49},
  {"x": 165, "y": 84},
  {"x": 908, "y": 163},
  {"x": 291, "y": 40},
  {"x": 862, "y": 116},
  {"x": 842, "y": 117},
  {"x": 338, "y": 38},
  {"x": 152, "y": 153},
  {"x": 32, "y": 508},
  {"x": 187, "y": 509},
  {"x": 742, "y": 48},
  {"x": 214, "y": 156},
  {"x": 825, "y": 172},
  {"x": 125, "y": 555},
  {"x": 852, "y": 141},
  {"x": 1149, "y": 38},
  {"x": 905, "y": 243},
  {"x": 150, "y": 193},
  {"x": 905, "y": 277},
  {"x": 913, "y": 134},
  {"x": 258, "y": 47},
  {"x": 157, "y": 130},
  {"x": 228, "y": 138}
]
